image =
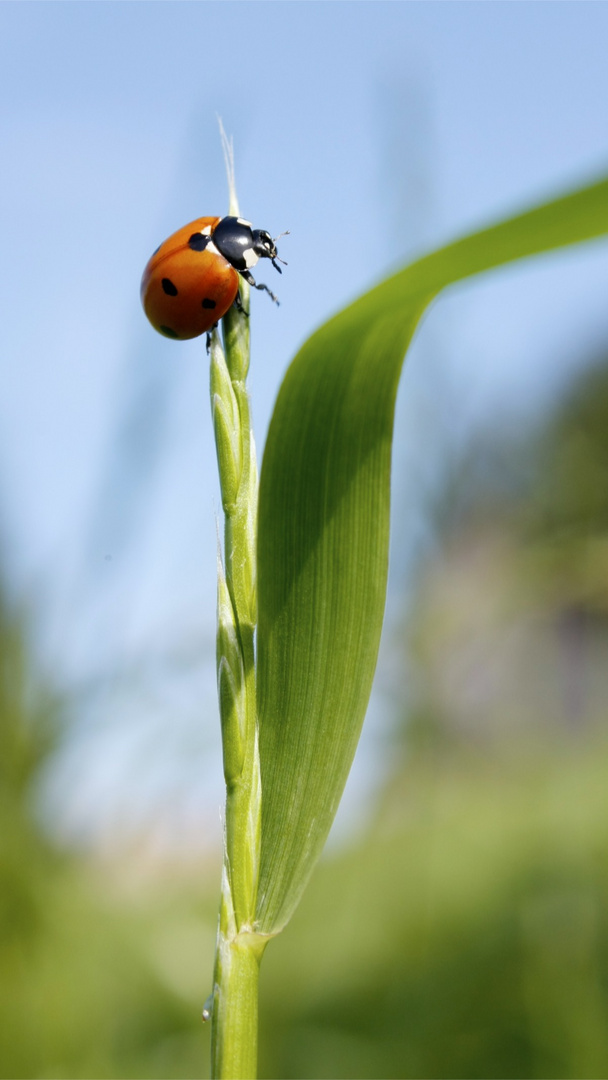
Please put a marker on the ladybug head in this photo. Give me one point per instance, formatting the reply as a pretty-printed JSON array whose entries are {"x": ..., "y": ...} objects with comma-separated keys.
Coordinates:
[
  {"x": 266, "y": 248},
  {"x": 263, "y": 244}
]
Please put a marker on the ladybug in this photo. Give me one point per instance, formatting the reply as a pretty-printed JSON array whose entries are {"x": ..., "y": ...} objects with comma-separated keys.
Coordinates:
[{"x": 193, "y": 277}]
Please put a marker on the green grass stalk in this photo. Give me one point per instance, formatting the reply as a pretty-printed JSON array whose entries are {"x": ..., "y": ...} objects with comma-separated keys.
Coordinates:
[{"x": 239, "y": 949}]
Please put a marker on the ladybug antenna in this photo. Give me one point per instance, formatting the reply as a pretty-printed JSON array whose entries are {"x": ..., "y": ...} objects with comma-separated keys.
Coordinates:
[{"x": 277, "y": 257}]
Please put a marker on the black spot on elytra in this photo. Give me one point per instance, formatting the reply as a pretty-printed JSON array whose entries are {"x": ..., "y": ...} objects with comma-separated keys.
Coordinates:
[
  {"x": 168, "y": 332},
  {"x": 207, "y": 303},
  {"x": 198, "y": 242},
  {"x": 168, "y": 287}
]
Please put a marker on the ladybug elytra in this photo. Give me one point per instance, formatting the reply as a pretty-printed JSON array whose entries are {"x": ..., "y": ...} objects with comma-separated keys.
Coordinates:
[{"x": 193, "y": 277}]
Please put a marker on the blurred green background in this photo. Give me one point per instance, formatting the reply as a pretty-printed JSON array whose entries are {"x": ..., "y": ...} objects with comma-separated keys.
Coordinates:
[{"x": 463, "y": 930}]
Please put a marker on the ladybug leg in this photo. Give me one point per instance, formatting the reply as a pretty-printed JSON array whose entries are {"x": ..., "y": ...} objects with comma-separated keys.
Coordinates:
[
  {"x": 238, "y": 303},
  {"x": 208, "y": 337},
  {"x": 248, "y": 277}
]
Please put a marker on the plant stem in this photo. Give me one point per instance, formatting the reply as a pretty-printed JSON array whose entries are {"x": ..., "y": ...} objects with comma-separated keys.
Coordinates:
[
  {"x": 239, "y": 949},
  {"x": 234, "y": 1036}
]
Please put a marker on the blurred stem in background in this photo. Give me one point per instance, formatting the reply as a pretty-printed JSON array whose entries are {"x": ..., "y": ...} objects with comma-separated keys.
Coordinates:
[{"x": 86, "y": 984}]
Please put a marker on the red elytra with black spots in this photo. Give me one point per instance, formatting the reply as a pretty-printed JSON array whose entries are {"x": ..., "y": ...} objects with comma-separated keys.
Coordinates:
[{"x": 186, "y": 287}]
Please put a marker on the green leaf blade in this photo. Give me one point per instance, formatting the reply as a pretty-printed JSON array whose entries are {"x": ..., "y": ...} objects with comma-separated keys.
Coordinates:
[
  {"x": 333, "y": 532},
  {"x": 323, "y": 536}
]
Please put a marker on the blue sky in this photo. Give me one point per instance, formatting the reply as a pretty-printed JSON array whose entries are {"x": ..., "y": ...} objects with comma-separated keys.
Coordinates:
[{"x": 369, "y": 130}]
